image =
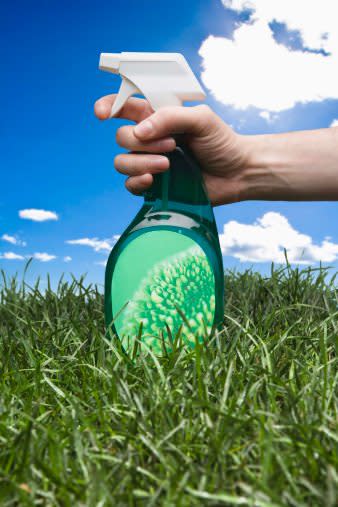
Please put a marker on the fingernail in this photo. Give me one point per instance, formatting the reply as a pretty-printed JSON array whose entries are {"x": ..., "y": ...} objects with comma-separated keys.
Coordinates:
[{"x": 143, "y": 129}]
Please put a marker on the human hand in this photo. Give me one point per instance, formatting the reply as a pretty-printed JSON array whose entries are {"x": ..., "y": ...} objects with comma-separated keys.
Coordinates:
[{"x": 221, "y": 153}]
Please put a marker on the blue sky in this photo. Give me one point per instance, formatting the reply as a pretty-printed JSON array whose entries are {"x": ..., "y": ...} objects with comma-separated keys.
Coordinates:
[{"x": 56, "y": 156}]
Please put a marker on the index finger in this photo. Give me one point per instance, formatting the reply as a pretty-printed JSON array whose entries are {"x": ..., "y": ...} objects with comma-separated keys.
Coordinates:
[{"x": 134, "y": 109}]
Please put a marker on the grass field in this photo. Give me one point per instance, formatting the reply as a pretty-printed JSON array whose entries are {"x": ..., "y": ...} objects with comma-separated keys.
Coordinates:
[{"x": 249, "y": 420}]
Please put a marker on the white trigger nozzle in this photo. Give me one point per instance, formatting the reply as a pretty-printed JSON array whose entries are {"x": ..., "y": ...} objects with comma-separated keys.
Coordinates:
[
  {"x": 164, "y": 79},
  {"x": 127, "y": 89}
]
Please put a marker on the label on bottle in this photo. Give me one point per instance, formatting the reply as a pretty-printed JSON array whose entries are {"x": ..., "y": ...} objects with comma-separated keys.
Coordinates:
[{"x": 163, "y": 288}]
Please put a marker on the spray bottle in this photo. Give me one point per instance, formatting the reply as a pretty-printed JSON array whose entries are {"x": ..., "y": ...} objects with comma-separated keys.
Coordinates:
[{"x": 164, "y": 278}]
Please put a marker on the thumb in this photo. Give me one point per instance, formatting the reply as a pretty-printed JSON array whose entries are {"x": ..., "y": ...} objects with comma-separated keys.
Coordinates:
[{"x": 174, "y": 120}]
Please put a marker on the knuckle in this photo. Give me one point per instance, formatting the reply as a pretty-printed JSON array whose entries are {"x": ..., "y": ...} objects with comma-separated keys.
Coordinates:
[
  {"x": 204, "y": 118},
  {"x": 204, "y": 109}
]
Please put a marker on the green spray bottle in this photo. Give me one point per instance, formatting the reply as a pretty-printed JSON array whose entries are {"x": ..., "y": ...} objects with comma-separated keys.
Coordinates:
[{"x": 164, "y": 277}]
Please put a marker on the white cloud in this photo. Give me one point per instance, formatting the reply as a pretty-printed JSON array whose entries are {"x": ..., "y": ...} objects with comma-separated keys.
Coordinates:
[
  {"x": 334, "y": 123},
  {"x": 98, "y": 245},
  {"x": 11, "y": 256},
  {"x": 316, "y": 20},
  {"x": 9, "y": 239},
  {"x": 43, "y": 256},
  {"x": 67, "y": 258},
  {"x": 252, "y": 69},
  {"x": 266, "y": 239},
  {"x": 38, "y": 215},
  {"x": 13, "y": 240}
]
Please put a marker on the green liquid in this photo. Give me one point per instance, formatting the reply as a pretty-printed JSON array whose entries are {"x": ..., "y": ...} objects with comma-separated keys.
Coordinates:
[
  {"x": 164, "y": 281},
  {"x": 164, "y": 277}
]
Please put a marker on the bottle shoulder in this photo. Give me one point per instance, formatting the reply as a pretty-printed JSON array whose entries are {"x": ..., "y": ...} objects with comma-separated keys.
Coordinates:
[
  {"x": 154, "y": 219},
  {"x": 156, "y": 222}
]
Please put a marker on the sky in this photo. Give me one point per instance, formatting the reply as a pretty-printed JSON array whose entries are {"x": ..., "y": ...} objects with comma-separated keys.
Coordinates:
[{"x": 266, "y": 67}]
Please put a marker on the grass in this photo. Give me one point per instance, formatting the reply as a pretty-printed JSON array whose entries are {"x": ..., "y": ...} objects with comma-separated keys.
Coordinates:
[{"x": 249, "y": 420}]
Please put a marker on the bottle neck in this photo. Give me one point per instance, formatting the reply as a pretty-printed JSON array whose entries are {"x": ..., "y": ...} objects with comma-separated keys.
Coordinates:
[{"x": 181, "y": 188}]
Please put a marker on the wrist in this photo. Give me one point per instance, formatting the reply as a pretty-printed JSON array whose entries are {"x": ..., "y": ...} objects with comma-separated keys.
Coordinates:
[{"x": 263, "y": 173}]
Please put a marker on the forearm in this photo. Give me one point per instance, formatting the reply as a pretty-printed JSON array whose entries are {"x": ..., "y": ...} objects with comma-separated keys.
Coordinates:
[{"x": 293, "y": 166}]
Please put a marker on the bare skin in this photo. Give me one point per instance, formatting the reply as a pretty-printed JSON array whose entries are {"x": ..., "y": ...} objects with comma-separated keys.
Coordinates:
[{"x": 295, "y": 166}]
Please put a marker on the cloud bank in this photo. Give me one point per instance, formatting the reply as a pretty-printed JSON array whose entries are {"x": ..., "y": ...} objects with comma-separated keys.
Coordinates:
[
  {"x": 252, "y": 69},
  {"x": 266, "y": 239}
]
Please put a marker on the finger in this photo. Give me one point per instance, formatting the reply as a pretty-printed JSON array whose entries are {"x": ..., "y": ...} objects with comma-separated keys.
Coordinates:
[
  {"x": 125, "y": 137},
  {"x": 171, "y": 120},
  {"x": 134, "y": 109},
  {"x": 139, "y": 184},
  {"x": 134, "y": 164}
]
